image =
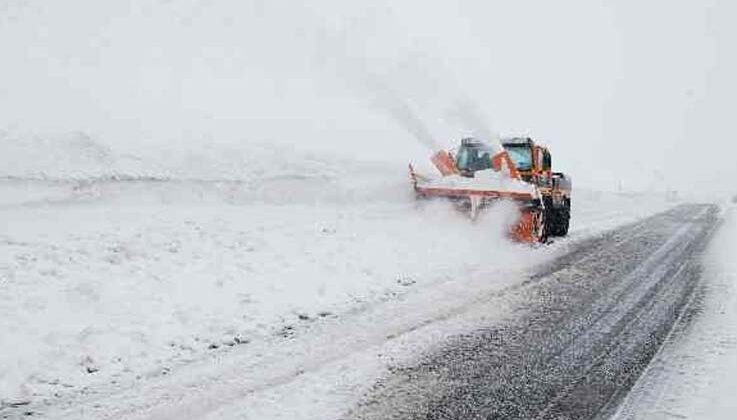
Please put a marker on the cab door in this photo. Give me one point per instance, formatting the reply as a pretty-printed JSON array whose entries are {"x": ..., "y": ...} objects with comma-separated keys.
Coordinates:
[{"x": 543, "y": 166}]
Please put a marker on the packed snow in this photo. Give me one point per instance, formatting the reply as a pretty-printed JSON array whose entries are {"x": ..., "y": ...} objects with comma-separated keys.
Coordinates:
[{"x": 486, "y": 180}]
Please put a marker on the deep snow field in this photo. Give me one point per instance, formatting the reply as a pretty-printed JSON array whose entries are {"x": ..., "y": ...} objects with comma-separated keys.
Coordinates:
[{"x": 114, "y": 271}]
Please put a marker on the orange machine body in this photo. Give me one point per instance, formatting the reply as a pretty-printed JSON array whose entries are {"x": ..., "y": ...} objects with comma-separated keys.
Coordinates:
[{"x": 541, "y": 214}]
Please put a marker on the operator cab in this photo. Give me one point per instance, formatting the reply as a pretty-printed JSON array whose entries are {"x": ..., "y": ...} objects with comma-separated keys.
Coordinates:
[
  {"x": 520, "y": 151},
  {"x": 473, "y": 155},
  {"x": 530, "y": 159}
]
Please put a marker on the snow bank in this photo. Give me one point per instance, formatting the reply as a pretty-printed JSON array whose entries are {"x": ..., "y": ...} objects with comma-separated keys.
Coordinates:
[
  {"x": 121, "y": 289},
  {"x": 80, "y": 156},
  {"x": 116, "y": 269}
]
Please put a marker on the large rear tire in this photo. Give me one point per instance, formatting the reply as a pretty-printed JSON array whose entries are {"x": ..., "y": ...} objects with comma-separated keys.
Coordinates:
[
  {"x": 562, "y": 219},
  {"x": 566, "y": 222}
]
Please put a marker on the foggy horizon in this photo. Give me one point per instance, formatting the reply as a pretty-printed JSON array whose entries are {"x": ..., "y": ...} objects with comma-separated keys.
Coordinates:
[{"x": 628, "y": 94}]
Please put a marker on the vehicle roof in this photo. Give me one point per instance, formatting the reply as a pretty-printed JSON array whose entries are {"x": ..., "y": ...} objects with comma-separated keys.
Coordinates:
[
  {"x": 472, "y": 141},
  {"x": 521, "y": 141}
]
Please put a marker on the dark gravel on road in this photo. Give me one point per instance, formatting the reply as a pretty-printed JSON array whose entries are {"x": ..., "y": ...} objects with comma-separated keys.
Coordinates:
[{"x": 586, "y": 327}]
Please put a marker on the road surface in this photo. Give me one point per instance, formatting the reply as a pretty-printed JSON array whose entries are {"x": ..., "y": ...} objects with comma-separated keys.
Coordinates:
[{"x": 586, "y": 327}]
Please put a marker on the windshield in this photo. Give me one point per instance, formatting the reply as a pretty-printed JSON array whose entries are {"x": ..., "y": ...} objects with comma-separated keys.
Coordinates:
[
  {"x": 521, "y": 156},
  {"x": 474, "y": 158}
]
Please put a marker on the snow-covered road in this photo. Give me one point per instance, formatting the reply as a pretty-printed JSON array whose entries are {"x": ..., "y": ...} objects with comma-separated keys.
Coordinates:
[
  {"x": 694, "y": 376},
  {"x": 583, "y": 328},
  {"x": 126, "y": 279},
  {"x": 116, "y": 286}
]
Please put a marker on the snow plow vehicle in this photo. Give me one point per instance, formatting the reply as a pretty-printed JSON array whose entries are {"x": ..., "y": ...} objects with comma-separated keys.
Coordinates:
[{"x": 479, "y": 173}]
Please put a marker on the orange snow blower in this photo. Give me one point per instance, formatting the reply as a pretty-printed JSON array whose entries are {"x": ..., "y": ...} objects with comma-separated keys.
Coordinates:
[{"x": 479, "y": 173}]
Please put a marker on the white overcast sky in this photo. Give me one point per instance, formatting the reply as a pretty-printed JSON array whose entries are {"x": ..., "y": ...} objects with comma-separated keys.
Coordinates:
[{"x": 638, "y": 92}]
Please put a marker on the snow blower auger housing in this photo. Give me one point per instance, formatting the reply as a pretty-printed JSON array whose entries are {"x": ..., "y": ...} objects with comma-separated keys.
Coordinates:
[{"x": 479, "y": 173}]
